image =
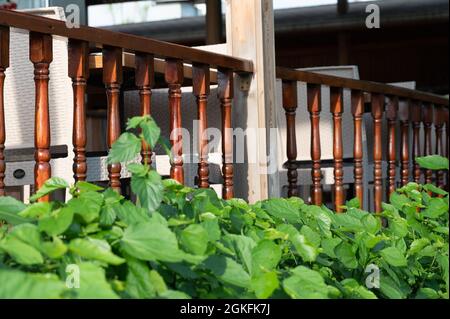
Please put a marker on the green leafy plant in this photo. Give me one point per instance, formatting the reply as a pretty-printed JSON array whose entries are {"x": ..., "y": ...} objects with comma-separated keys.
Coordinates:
[{"x": 179, "y": 242}]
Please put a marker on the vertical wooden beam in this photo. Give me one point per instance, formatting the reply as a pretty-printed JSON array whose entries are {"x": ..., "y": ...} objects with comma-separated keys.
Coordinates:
[
  {"x": 201, "y": 88},
  {"x": 337, "y": 108},
  {"x": 377, "y": 114},
  {"x": 428, "y": 147},
  {"x": 391, "y": 115},
  {"x": 416, "y": 119},
  {"x": 112, "y": 78},
  {"x": 174, "y": 77},
  {"x": 404, "y": 111},
  {"x": 250, "y": 35},
  {"x": 439, "y": 119},
  {"x": 4, "y": 63},
  {"x": 357, "y": 112},
  {"x": 41, "y": 55},
  {"x": 290, "y": 107},
  {"x": 225, "y": 94},
  {"x": 79, "y": 73},
  {"x": 213, "y": 21},
  {"x": 145, "y": 73},
  {"x": 314, "y": 108}
]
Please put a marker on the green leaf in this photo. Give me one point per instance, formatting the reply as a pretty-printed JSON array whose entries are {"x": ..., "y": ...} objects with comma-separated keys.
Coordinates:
[
  {"x": 433, "y": 162},
  {"x": 399, "y": 200},
  {"x": 22, "y": 253},
  {"x": 265, "y": 256},
  {"x": 94, "y": 249},
  {"x": 54, "y": 249},
  {"x": 83, "y": 186},
  {"x": 108, "y": 215},
  {"x": 434, "y": 189},
  {"x": 282, "y": 209},
  {"x": 36, "y": 210},
  {"x": 194, "y": 238},
  {"x": 305, "y": 249},
  {"x": 353, "y": 290},
  {"x": 58, "y": 221},
  {"x": 398, "y": 226},
  {"x": 125, "y": 148},
  {"x": 306, "y": 284},
  {"x": 227, "y": 270},
  {"x": 130, "y": 214},
  {"x": 348, "y": 222},
  {"x": 371, "y": 224},
  {"x": 435, "y": 208},
  {"x": 173, "y": 294},
  {"x": 87, "y": 206},
  {"x": 9, "y": 209},
  {"x": 151, "y": 241},
  {"x": 243, "y": 247},
  {"x": 417, "y": 245},
  {"x": 344, "y": 252},
  {"x": 135, "y": 121},
  {"x": 390, "y": 289},
  {"x": 329, "y": 244},
  {"x": 149, "y": 190},
  {"x": 49, "y": 186},
  {"x": 93, "y": 284},
  {"x": 138, "y": 169},
  {"x": 427, "y": 293},
  {"x": 394, "y": 257},
  {"x": 139, "y": 282},
  {"x": 151, "y": 132},
  {"x": 264, "y": 284},
  {"x": 212, "y": 228},
  {"x": 20, "y": 285},
  {"x": 27, "y": 233}
]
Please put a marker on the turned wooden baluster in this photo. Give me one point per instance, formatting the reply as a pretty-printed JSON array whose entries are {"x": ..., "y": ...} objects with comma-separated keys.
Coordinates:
[
  {"x": 391, "y": 115},
  {"x": 225, "y": 94},
  {"x": 428, "y": 147},
  {"x": 41, "y": 55},
  {"x": 416, "y": 120},
  {"x": 201, "y": 89},
  {"x": 4, "y": 63},
  {"x": 174, "y": 78},
  {"x": 439, "y": 129},
  {"x": 144, "y": 76},
  {"x": 112, "y": 78},
  {"x": 403, "y": 116},
  {"x": 377, "y": 114},
  {"x": 79, "y": 72},
  {"x": 314, "y": 108},
  {"x": 290, "y": 104},
  {"x": 447, "y": 139},
  {"x": 357, "y": 112},
  {"x": 337, "y": 108}
]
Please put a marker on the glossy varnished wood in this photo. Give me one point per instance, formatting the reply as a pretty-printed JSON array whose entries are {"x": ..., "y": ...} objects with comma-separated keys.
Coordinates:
[
  {"x": 377, "y": 114},
  {"x": 4, "y": 63},
  {"x": 174, "y": 78},
  {"x": 391, "y": 116},
  {"x": 314, "y": 108},
  {"x": 144, "y": 79},
  {"x": 357, "y": 101},
  {"x": 337, "y": 108},
  {"x": 416, "y": 120},
  {"x": 41, "y": 55},
  {"x": 428, "y": 115},
  {"x": 225, "y": 93},
  {"x": 447, "y": 144},
  {"x": 290, "y": 106},
  {"x": 404, "y": 111},
  {"x": 439, "y": 120},
  {"x": 112, "y": 78},
  {"x": 79, "y": 73},
  {"x": 201, "y": 89}
]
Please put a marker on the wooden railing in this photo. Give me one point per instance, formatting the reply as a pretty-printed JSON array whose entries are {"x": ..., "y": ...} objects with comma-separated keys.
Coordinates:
[
  {"x": 407, "y": 107},
  {"x": 113, "y": 44}
]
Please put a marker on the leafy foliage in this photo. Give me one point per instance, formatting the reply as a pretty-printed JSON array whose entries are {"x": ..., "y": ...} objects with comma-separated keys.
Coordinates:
[{"x": 179, "y": 242}]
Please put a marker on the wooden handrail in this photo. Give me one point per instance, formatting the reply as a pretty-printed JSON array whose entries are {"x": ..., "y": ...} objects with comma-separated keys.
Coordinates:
[
  {"x": 128, "y": 42},
  {"x": 366, "y": 86}
]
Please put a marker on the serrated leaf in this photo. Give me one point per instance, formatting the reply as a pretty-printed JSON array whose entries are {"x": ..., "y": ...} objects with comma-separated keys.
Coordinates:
[
  {"x": 50, "y": 186},
  {"x": 124, "y": 149},
  {"x": 94, "y": 249}
]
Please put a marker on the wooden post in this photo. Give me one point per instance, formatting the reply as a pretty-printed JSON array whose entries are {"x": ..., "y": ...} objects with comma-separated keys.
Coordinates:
[
  {"x": 314, "y": 108},
  {"x": 403, "y": 116},
  {"x": 357, "y": 112},
  {"x": 174, "y": 78},
  {"x": 416, "y": 119},
  {"x": 377, "y": 114},
  {"x": 337, "y": 108},
  {"x": 250, "y": 34},
  {"x": 428, "y": 114},
  {"x": 112, "y": 77},
  {"x": 439, "y": 129},
  {"x": 4, "y": 63},
  {"x": 213, "y": 21},
  {"x": 79, "y": 72},
  {"x": 391, "y": 115},
  {"x": 41, "y": 55},
  {"x": 145, "y": 71},
  {"x": 290, "y": 107},
  {"x": 201, "y": 89}
]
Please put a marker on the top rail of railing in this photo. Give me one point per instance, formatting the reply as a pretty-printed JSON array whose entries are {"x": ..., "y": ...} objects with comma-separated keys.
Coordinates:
[
  {"x": 128, "y": 42},
  {"x": 287, "y": 74}
]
